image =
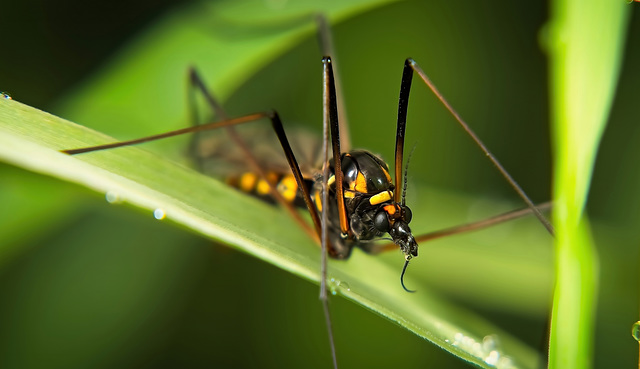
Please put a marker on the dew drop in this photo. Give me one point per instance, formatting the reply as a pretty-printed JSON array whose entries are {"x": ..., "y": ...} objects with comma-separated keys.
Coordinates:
[
  {"x": 159, "y": 214},
  {"x": 635, "y": 331},
  {"x": 457, "y": 338},
  {"x": 5, "y": 95},
  {"x": 112, "y": 197},
  {"x": 487, "y": 349},
  {"x": 505, "y": 362},
  {"x": 344, "y": 285},
  {"x": 492, "y": 358},
  {"x": 489, "y": 343},
  {"x": 476, "y": 348},
  {"x": 333, "y": 286}
]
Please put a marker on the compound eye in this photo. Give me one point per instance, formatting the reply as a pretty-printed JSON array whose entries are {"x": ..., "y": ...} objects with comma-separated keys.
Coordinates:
[
  {"x": 407, "y": 214},
  {"x": 381, "y": 222}
]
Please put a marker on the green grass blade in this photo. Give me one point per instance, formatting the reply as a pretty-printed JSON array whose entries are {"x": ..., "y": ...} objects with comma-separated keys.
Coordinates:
[
  {"x": 586, "y": 40},
  {"x": 142, "y": 92},
  {"x": 30, "y": 138}
]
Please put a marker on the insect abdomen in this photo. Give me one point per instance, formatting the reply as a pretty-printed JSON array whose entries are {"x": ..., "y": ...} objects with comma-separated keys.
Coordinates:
[{"x": 251, "y": 183}]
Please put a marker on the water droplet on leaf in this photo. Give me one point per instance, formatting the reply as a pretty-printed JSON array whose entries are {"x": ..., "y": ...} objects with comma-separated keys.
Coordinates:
[
  {"x": 112, "y": 197},
  {"x": 159, "y": 214},
  {"x": 635, "y": 331}
]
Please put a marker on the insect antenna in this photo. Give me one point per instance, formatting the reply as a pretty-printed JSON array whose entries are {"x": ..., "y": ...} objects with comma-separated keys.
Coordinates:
[
  {"x": 329, "y": 115},
  {"x": 325, "y": 39},
  {"x": 404, "y": 269}
]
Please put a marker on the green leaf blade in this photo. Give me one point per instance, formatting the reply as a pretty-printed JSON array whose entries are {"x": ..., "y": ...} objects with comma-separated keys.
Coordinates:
[
  {"x": 585, "y": 63},
  {"x": 29, "y": 138},
  {"x": 142, "y": 92}
]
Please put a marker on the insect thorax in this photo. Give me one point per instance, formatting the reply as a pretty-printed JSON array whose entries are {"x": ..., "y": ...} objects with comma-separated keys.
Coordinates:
[
  {"x": 368, "y": 192},
  {"x": 367, "y": 189}
]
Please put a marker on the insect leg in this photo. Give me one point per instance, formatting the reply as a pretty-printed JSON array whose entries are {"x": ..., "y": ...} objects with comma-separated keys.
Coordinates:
[
  {"x": 326, "y": 46},
  {"x": 403, "y": 103},
  {"x": 197, "y": 83},
  {"x": 329, "y": 120},
  {"x": 464, "y": 228},
  {"x": 277, "y": 125},
  {"x": 331, "y": 111},
  {"x": 409, "y": 67}
]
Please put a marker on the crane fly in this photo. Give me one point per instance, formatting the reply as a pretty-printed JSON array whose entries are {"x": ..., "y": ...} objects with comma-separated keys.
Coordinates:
[{"x": 352, "y": 196}]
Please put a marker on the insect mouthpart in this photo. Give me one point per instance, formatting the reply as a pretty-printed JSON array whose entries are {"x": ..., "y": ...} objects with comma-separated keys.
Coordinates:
[
  {"x": 394, "y": 219},
  {"x": 401, "y": 234}
]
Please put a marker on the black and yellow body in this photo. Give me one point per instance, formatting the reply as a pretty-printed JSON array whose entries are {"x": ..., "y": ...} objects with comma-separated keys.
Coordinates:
[
  {"x": 285, "y": 184},
  {"x": 364, "y": 203},
  {"x": 361, "y": 204},
  {"x": 368, "y": 193}
]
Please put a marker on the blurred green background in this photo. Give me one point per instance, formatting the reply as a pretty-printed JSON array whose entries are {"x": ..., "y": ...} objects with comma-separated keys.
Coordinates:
[{"x": 87, "y": 284}]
